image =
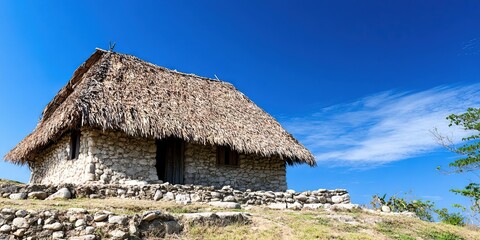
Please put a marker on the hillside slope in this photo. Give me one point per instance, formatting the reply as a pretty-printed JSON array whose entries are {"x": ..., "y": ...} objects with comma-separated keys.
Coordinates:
[{"x": 272, "y": 224}]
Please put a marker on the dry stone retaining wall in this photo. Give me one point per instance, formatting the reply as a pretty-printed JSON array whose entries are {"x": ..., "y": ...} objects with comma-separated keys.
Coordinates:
[
  {"x": 181, "y": 193},
  {"x": 80, "y": 224}
]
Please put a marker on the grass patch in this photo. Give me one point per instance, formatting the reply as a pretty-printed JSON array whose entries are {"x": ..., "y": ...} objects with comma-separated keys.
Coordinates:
[{"x": 443, "y": 236}]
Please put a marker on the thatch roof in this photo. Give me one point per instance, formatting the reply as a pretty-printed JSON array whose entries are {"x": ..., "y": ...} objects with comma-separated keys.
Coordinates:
[{"x": 119, "y": 92}]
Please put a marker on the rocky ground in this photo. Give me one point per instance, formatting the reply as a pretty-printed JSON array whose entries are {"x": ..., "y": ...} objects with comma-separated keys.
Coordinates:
[
  {"x": 259, "y": 222},
  {"x": 122, "y": 218}
]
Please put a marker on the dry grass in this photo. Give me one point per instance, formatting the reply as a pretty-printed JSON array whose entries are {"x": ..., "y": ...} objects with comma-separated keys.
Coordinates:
[
  {"x": 274, "y": 224},
  {"x": 10, "y": 182}
]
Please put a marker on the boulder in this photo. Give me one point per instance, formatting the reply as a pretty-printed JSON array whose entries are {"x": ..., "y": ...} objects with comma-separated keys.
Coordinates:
[
  {"x": 77, "y": 210},
  {"x": 19, "y": 233},
  {"x": 301, "y": 198},
  {"x": 118, "y": 234},
  {"x": 54, "y": 226},
  {"x": 229, "y": 205},
  {"x": 172, "y": 227},
  {"x": 117, "y": 220},
  {"x": 312, "y": 206},
  {"x": 20, "y": 222},
  {"x": 89, "y": 230},
  {"x": 149, "y": 217},
  {"x": 340, "y": 199},
  {"x": 216, "y": 195},
  {"x": 279, "y": 206},
  {"x": 169, "y": 196},
  {"x": 62, "y": 193},
  {"x": 38, "y": 195},
  {"x": 216, "y": 219},
  {"x": 8, "y": 211},
  {"x": 229, "y": 199},
  {"x": 195, "y": 197},
  {"x": 5, "y": 228},
  {"x": 21, "y": 213},
  {"x": 158, "y": 195},
  {"x": 269, "y": 194},
  {"x": 84, "y": 237},
  {"x": 18, "y": 196},
  {"x": 58, "y": 235},
  {"x": 386, "y": 208},
  {"x": 294, "y": 206},
  {"x": 80, "y": 223},
  {"x": 99, "y": 217},
  {"x": 136, "y": 182},
  {"x": 182, "y": 198},
  {"x": 343, "y": 206}
]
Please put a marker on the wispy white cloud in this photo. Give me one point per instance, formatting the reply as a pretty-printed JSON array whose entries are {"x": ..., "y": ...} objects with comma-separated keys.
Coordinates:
[{"x": 385, "y": 127}]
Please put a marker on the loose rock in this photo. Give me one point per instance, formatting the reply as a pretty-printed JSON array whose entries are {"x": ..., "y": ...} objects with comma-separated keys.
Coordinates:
[
  {"x": 18, "y": 196},
  {"x": 38, "y": 195},
  {"x": 62, "y": 193},
  {"x": 229, "y": 205},
  {"x": 20, "y": 222}
]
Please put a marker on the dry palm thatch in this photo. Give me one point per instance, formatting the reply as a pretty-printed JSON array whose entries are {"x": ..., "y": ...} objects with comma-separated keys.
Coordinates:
[{"x": 119, "y": 92}]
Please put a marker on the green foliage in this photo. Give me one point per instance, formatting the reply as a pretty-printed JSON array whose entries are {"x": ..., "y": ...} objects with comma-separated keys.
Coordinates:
[
  {"x": 455, "y": 219},
  {"x": 470, "y": 150},
  {"x": 423, "y": 209},
  {"x": 443, "y": 236},
  {"x": 469, "y": 121}
]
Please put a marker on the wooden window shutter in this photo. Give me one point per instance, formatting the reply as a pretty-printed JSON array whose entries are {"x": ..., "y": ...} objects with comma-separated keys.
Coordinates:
[
  {"x": 221, "y": 155},
  {"x": 226, "y": 156},
  {"x": 233, "y": 155}
]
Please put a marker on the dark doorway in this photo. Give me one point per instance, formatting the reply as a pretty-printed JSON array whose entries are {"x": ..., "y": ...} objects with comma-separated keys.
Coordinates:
[{"x": 170, "y": 160}]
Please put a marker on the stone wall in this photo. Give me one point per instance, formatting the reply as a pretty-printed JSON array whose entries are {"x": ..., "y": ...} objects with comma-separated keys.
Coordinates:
[
  {"x": 185, "y": 194},
  {"x": 82, "y": 224},
  {"x": 53, "y": 166},
  {"x": 115, "y": 158},
  {"x": 118, "y": 157},
  {"x": 253, "y": 172}
]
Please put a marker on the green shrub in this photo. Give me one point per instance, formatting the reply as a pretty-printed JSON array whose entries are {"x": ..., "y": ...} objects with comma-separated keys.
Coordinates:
[
  {"x": 450, "y": 218},
  {"x": 423, "y": 209}
]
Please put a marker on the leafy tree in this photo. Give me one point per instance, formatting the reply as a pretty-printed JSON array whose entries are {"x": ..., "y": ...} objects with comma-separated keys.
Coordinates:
[
  {"x": 469, "y": 150},
  {"x": 469, "y": 121}
]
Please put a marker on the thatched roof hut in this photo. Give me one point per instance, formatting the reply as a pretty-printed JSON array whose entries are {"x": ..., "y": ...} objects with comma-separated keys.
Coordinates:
[{"x": 119, "y": 92}]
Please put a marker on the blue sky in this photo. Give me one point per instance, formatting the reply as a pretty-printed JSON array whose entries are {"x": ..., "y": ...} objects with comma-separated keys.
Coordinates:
[{"x": 360, "y": 83}]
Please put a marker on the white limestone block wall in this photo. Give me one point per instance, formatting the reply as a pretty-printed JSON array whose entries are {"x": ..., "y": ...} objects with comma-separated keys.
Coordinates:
[
  {"x": 113, "y": 157},
  {"x": 253, "y": 172},
  {"x": 118, "y": 157},
  {"x": 53, "y": 165}
]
